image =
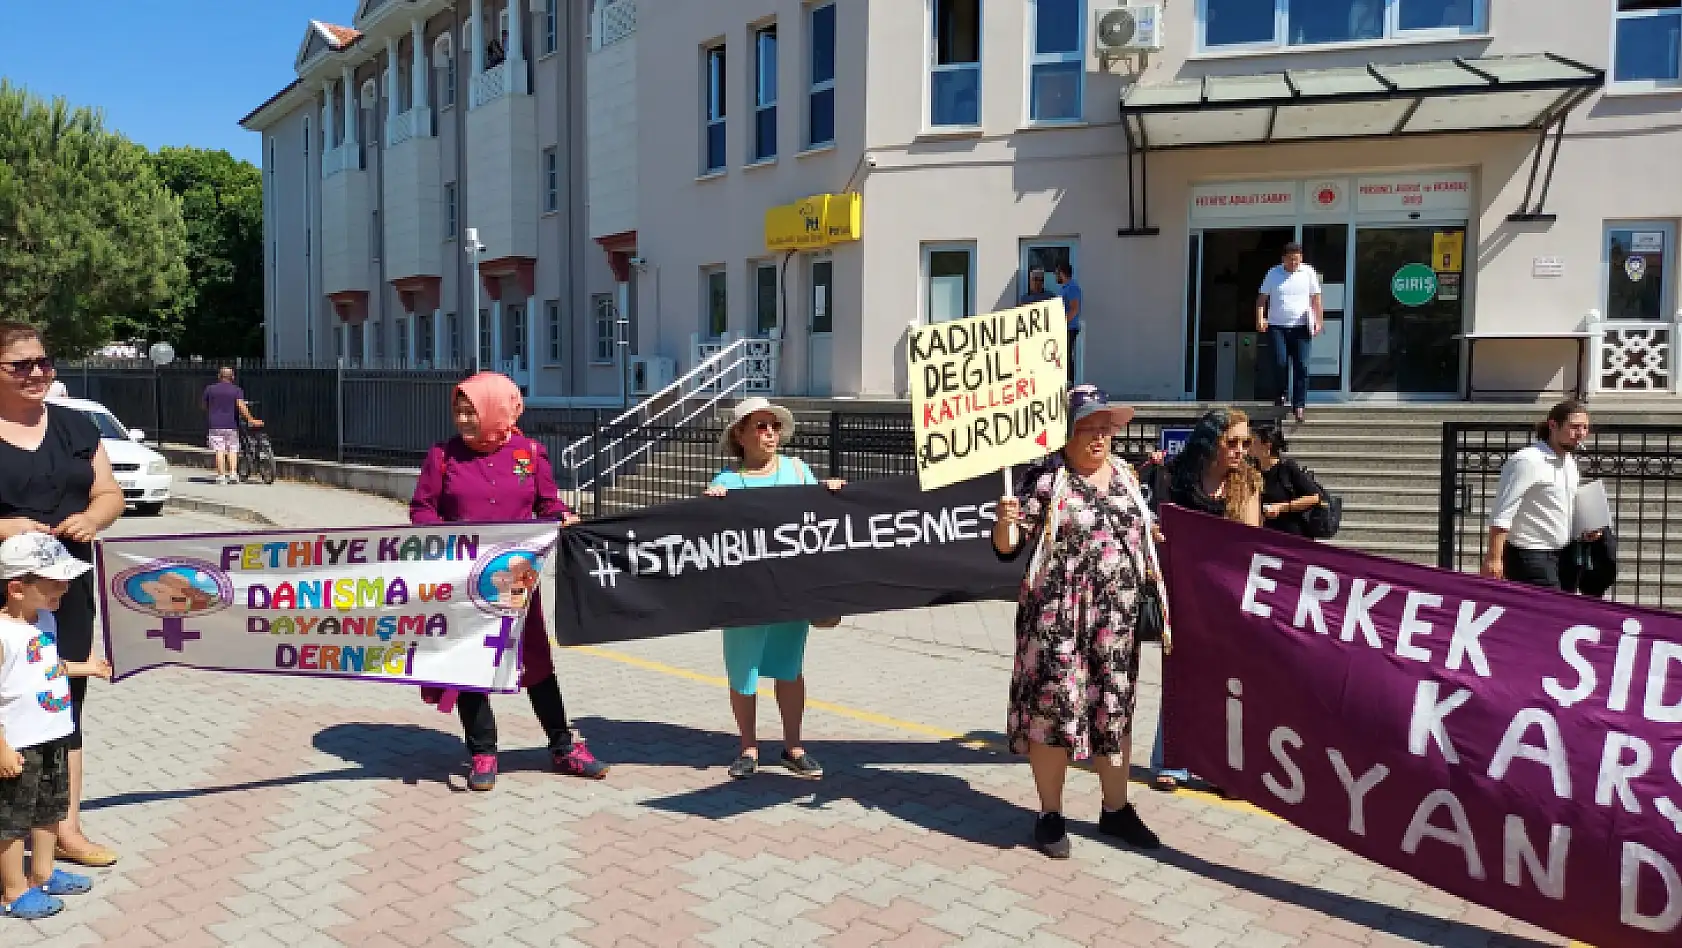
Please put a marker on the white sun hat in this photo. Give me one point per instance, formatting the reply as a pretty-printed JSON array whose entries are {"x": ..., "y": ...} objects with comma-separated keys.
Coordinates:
[{"x": 747, "y": 408}]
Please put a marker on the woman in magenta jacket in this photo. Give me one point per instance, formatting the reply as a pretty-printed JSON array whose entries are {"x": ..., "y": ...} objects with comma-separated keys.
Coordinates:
[{"x": 492, "y": 472}]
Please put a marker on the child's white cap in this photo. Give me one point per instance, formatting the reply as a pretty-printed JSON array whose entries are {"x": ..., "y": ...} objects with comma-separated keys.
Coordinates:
[{"x": 38, "y": 554}]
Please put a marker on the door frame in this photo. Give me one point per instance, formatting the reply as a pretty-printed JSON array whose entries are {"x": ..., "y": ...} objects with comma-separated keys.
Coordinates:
[
  {"x": 1191, "y": 328},
  {"x": 969, "y": 248},
  {"x": 1423, "y": 223}
]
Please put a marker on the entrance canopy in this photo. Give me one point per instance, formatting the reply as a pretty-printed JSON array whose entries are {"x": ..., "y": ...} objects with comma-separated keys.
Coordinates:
[{"x": 1498, "y": 93}]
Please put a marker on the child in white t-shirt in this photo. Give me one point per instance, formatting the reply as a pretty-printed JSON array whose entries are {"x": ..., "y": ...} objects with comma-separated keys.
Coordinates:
[{"x": 35, "y": 719}]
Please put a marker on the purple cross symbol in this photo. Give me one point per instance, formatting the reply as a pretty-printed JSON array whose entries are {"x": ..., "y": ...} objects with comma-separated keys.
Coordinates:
[
  {"x": 174, "y": 633},
  {"x": 501, "y": 641}
]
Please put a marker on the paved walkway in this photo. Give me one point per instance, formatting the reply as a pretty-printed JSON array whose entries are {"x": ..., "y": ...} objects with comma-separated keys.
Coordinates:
[{"x": 258, "y": 811}]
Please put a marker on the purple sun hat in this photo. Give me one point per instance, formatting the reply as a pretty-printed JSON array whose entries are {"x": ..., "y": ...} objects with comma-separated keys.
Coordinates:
[{"x": 1088, "y": 400}]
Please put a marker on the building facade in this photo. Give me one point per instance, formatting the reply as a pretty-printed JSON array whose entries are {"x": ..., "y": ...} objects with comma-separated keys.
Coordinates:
[
  {"x": 422, "y": 125},
  {"x": 1488, "y": 187}
]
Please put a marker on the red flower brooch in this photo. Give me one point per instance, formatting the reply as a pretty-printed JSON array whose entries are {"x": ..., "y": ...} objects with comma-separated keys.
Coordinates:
[{"x": 522, "y": 464}]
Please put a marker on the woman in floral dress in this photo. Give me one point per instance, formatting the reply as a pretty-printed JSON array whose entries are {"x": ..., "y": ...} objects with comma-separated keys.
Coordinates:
[{"x": 1073, "y": 690}]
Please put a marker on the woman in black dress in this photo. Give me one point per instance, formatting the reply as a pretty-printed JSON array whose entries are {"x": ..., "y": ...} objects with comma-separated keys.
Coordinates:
[
  {"x": 1287, "y": 492},
  {"x": 55, "y": 478}
]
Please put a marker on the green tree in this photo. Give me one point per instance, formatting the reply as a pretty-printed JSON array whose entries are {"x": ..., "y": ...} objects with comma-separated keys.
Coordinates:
[
  {"x": 87, "y": 231},
  {"x": 220, "y": 311}
]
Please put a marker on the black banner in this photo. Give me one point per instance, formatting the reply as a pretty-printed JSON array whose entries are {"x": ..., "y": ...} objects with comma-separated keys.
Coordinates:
[{"x": 779, "y": 554}]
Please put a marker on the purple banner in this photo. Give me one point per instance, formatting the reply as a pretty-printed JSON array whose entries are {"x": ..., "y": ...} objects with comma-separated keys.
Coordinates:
[{"x": 1519, "y": 748}]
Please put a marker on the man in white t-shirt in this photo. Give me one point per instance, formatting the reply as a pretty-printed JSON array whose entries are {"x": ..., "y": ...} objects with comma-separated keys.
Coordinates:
[
  {"x": 1290, "y": 312},
  {"x": 1530, "y": 520}
]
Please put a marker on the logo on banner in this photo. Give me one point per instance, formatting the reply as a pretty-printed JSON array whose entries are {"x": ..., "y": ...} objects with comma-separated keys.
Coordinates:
[
  {"x": 1635, "y": 268},
  {"x": 503, "y": 583},
  {"x": 174, "y": 590},
  {"x": 1414, "y": 285}
]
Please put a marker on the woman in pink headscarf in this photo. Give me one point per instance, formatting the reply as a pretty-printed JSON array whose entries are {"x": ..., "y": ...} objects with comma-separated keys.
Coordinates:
[{"x": 490, "y": 472}]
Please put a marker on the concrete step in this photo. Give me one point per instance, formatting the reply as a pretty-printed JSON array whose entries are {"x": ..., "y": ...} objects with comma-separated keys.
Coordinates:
[
  {"x": 1373, "y": 446},
  {"x": 1395, "y": 460}
]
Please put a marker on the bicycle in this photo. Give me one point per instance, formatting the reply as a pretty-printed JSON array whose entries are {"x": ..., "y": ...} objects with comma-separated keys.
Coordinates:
[{"x": 256, "y": 453}]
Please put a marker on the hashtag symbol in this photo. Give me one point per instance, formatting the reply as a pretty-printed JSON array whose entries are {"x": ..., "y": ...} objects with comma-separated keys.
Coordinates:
[{"x": 605, "y": 573}]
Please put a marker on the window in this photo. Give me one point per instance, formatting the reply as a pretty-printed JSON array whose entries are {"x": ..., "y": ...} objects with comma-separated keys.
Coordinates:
[
  {"x": 949, "y": 278},
  {"x": 339, "y": 344},
  {"x": 552, "y": 317},
  {"x": 1648, "y": 39},
  {"x": 823, "y": 295},
  {"x": 714, "y": 109},
  {"x": 450, "y": 211},
  {"x": 551, "y": 180},
  {"x": 1057, "y": 71},
  {"x": 765, "y": 94},
  {"x": 955, "y": 64},
  {"x": 426, "y": 350},
  {"x": 1639, "y": 259},
  {"x": 400, "y": 339},
  {"x": 1226, "y": 24},
  {"x": 765, "y": 299},
  {"x": 715, "y": 285},
  {"x": 601, "y": 305},
  {"x": 551, "y": 25},
  {"x": 484, "y": 337},
  {"x": 453, "y": 353},
  {"x": 377, "y": 330},
  {"x": 1044, "y": 255},
  {"x": 517, "y": 317},
  {"x": 450, "y": 80},
  {"x": 374, "y": 235},
  {"x": 820, "y": 97}
]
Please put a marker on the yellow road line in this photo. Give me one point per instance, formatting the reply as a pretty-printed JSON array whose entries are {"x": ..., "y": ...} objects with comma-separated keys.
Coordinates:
[{"x": 871, "y": 717}]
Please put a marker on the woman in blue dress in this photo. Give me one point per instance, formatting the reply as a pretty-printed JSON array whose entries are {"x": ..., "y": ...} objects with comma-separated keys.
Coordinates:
[{"x": 778, "y": 651}]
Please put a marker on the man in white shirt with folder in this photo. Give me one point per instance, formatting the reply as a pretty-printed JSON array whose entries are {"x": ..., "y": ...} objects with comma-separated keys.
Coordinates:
[{"x": 1530, "y": 521}]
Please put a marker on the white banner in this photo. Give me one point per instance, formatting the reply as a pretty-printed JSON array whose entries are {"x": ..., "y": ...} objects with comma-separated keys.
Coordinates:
[{"x": 439, "y": 605}]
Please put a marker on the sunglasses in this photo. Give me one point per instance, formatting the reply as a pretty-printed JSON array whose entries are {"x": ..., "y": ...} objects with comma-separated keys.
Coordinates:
[
  {"x": 1107, "y": 431},
  {"x": 1238, "y": 442},
  {"x": 764, "y": 426},
  {"x": 24, "y": 368}
]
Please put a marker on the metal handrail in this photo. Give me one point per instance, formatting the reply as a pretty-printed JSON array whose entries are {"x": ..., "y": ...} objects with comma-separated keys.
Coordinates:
[{"x": 712, "y": 376}]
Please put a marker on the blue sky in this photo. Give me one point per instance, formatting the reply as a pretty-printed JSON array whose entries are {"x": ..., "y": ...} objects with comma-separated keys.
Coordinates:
[{"x": 166, "y": 72}]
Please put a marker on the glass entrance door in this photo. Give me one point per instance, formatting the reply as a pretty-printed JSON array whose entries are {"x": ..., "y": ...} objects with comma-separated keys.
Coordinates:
[
  {"x": 1408, "y": 300},
  {"x": 1231, "y": 268}
]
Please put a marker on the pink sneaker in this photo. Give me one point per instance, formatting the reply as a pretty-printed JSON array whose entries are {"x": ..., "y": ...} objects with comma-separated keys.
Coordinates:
[
  {"x": 579, "y": 762},
  {"x": 483, "y": 776}
]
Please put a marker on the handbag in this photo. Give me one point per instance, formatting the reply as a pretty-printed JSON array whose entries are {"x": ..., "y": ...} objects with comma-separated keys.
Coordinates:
[{"x": 1152, "y": 622}]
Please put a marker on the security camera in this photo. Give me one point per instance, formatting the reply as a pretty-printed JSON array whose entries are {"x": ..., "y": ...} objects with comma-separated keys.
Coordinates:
[
  {"x": 639, "y": 262},
  {"x": 870, "y": 160}
]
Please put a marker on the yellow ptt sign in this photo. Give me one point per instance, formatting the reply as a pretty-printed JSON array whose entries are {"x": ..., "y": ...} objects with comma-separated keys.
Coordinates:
[{"x": 816, "y": 222}]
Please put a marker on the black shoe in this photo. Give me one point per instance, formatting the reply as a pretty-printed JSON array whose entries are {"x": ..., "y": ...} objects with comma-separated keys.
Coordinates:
[
  {"x": 743, "y": 766},
  {"x": 1050, "y": 836},
  {"x": 1124, "y": 824},
  {"x": 803, "y": 766}
]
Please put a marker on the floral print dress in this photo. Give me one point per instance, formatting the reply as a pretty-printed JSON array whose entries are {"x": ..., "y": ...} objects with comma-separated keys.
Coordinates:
[{"x": 1077, "y": 658}]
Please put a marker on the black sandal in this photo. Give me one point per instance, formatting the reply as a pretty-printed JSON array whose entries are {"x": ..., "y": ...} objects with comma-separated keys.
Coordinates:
[{"x": 744, "y": 766}]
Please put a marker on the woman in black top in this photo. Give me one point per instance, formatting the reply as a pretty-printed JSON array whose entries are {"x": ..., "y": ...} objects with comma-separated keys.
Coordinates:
[
  {"x": 55, "y": 478},
  {"x": 1287, "y": 493}
]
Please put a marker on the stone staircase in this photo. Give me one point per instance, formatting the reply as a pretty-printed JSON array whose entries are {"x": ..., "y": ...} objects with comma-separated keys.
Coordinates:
[{"x": 1383, "y": 460}]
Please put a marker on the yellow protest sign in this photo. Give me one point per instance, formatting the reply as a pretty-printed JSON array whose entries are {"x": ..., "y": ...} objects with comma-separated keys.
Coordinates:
[
  {"x": 988, "y": 392},
  {"x": 1447, "y": 251}
]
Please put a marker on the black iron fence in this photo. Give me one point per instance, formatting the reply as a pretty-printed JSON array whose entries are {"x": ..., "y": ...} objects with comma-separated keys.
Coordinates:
[
  {"x": 392, "y": 416},
  {"x": 1641, "y": 466}
]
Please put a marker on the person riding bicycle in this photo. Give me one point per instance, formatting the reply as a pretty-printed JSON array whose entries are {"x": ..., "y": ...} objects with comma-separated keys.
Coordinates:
[{"x": 225, "y": 403}]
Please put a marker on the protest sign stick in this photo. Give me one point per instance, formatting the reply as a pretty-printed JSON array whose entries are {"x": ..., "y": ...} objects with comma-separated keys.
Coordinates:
[{"x": 1010, "y": 491}]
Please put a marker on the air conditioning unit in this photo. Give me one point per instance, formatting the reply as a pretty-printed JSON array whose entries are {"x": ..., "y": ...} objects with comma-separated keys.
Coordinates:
[
  {"x": 650, "y": 374},
  {"x": 1129, "y": 29}
]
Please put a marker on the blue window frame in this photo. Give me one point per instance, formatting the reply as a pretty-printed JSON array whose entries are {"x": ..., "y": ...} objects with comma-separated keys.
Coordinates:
[
  {"x": 820, "y": 96},
  {"x": 1057, "y": 66},
  {"x": 955, "y": 63},
  {"x": 1648, "y": 42},
  {"x": 714, "y": 109}
]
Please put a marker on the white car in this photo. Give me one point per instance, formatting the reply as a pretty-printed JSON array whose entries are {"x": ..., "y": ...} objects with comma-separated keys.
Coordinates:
[{"x": 142, "y": 472}]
